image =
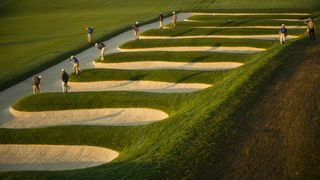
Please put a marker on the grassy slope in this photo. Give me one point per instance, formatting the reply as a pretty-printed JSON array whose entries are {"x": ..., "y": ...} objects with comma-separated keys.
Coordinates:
[
  {"x": 176, "y": 57},
  {"x": 280, "y": 127},
  {"x": 177, "y": 76},
  {"x": 149, "y": 43},
  {"x": 37, "y": 34},
  {"x": 231, "y": 23},
  {"x": 174, "y": 142},
  {"x": 180, "y": 31},
  {"x": 249, "y": 17}
]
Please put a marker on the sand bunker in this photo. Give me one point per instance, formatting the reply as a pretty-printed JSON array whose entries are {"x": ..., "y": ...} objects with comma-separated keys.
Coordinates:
[
  {"x": 147, "y": 65},
  {"x": 249, "y": 27},
  {"x": 16, "y": 157},
  {"x": 142, "y": 86},
  {"x": 261, "y": 37},
  {"x": 200, "y": 48},
  {"x": 248, "y": 14},
  {"x": 100, "y": 117}
]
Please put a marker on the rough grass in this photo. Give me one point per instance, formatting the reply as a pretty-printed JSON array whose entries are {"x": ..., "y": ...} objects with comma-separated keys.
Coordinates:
[
  {"x": 181, "y": 31},
  {"x": 176, "y": 76},
  {"x": 176, "y": 57},
  {"x": 214, "y": 42}
]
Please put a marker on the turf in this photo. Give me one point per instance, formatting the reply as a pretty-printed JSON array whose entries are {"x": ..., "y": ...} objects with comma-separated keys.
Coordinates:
[
  {"x": 214, "y": 42},
  {"x": 176, "y": 57},
  {"x": 257, "y": 17},
  {"x": 232, "y": 23},
  {"x": 174, "y": 142},
  {"x": 176, "y": 76},
  {"x": 180, "y": 31},
  {"x": 88, "y": 100}
]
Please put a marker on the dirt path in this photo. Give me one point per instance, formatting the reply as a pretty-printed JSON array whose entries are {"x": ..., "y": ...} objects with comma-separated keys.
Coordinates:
[{"x": 282, "y": 140}]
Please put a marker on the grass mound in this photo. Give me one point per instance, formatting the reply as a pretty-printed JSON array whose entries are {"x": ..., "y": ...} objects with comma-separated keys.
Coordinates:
[
  {"x": 149, "y": 43},
  {"x": 180, "y": 31},
  {"x": 176, "y": 57}
]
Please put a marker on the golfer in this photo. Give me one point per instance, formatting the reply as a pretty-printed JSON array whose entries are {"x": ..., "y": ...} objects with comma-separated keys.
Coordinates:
[
  {"x": 102, "y": 49},
  {"x": 174, "y": 19},
  {"x": 90, "y": 32},
  {"x": 36, "y": 87},
  {"x": 64, "y": 81},
  {"x": 76, "y": 65},
  {"x": 135, "y": 28},
  {"x": 311, "y": 28},
  {"x": 283, "y": 32},
  {"x": 161, "y": 20}
]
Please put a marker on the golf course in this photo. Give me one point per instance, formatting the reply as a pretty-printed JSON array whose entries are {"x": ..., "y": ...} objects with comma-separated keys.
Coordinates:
[{"x": 214, "y": 95}]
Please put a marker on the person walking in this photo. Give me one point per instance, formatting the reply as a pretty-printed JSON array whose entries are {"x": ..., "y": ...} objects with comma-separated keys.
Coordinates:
[
  {"x": 76, "y": 65},
  {"x": 135, "y": 28},
  {"x": 36, "y": 87},
  {"x": 90, "y": 32},
  {"x": 161, "y": 20},
  {"x": 64, "y": 81},
  {"x": 102, "y": 49},
  {"x": 311, "y": 28},
  {"x": 174, "y": 19},
  {"x": 283, "y": 32}
]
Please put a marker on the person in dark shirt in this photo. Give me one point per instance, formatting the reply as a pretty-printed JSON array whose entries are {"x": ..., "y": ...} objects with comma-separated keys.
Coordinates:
[
  {"x": 135, "y": 28},
  {"x": 90, "y": 32},
  {"x": 102, "y": 49},
  {"x": 311, "y": 28},
  {"x": 76, "y": 65},
  {"x": 36, "y": 87},
  {"x": 283, "y": 32},
  {"x": 161, "y": 20},
  {"x": 174, "y": 19},
  {"x": 64, "y": 81}
]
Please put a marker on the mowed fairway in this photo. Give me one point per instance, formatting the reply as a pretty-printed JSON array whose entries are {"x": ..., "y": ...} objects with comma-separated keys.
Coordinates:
[{"x": 176, "y": 107}]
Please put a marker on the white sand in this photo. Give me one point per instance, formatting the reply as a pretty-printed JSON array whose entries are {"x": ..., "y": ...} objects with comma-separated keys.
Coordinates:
[
  {"x": 100, "y": 117},
  {"x": 147, "y": 65},
  {"x": 16, "y": 157},
  {"x": 293, "y": 20},
  {"x": 142, "y": 86},
  {"x": 248, "y": 14},
  {"x": 249, "y": 27},
  {"x": 261, "y": 37},
  {"x": 200, "y": 48}
]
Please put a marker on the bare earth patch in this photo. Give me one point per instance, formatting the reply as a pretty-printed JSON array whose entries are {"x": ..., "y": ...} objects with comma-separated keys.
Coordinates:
[{"x": 16, "y": 157}]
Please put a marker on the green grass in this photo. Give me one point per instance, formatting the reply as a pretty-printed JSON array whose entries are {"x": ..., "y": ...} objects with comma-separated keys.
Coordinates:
[
  {"x": 257, "y": 17},
  {"x": 176, "y": 57},
  {"x": 180, "y": 31},
  {"x": 214, "y": 42},
  {"x": 176, "y": 76},
  {"x": 169, "y": 103},
  {"x": 164, "y": 148},
  {"x": 231, "y": 23},
  {"x": 37, "y": 34}
]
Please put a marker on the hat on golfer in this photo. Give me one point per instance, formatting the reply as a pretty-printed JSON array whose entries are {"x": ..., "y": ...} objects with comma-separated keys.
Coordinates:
[
  {"x": 137, "y": 22},
  {"x": 282, "y": 25},
  {"x": 62, "y": 70},
  {"x": 96, "y": 44},
  {"x": 72, "y": 57},
  {"x": 40, "y": 77},
  {"x": 173, "y": 12}
]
